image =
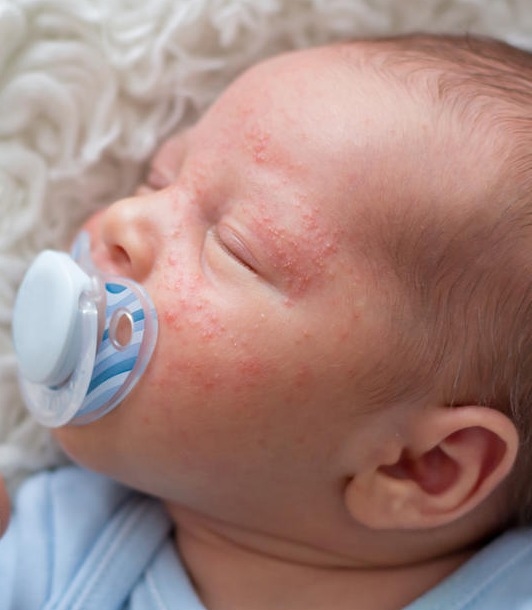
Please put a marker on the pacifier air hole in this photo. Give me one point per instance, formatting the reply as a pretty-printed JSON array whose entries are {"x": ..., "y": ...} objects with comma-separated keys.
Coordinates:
[{"x": 121, "y": 328}]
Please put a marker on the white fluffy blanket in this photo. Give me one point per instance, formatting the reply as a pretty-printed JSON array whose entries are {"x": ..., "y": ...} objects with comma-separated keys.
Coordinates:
[{"x": 89, "y": 87}]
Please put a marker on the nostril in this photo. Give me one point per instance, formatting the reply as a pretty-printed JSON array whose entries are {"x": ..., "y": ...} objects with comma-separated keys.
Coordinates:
[
  {"x": 127, "y": 235},
  {"x": 119, "y": 257}
]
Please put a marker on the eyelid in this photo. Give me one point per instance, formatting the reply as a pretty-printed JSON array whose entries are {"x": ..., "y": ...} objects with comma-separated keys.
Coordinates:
[{"x": 235, "y": 245}]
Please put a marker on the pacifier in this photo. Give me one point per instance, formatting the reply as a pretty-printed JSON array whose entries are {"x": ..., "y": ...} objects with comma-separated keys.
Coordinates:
[{"x": 82, "y": 338}]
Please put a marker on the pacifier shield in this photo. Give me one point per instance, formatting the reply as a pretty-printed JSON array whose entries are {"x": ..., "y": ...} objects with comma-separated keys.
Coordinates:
[{"x": 124, "y": 351}]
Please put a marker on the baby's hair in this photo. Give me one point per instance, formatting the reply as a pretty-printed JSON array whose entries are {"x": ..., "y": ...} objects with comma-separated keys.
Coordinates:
[{"x": 461, "y": 295}]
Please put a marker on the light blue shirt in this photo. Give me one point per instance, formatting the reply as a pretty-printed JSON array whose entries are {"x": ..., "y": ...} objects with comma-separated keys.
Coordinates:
[{"x": 78, "y": 541}]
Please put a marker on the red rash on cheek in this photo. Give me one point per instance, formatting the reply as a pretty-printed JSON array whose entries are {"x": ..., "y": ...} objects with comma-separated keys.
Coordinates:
[
  {"x": 186, "y": 375},
  {"x": 196, "y": 345},
  {"x": 250, "y": 371},
  {"x": 213, "y": 373},
  {"x": 182, "y": 307},
  {"x": 194, "y": 316},
  {"x": 302, "y": 387}
]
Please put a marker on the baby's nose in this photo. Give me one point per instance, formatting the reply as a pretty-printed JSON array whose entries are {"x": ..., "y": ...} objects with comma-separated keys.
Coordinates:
[{"x": 129, "y": 234}]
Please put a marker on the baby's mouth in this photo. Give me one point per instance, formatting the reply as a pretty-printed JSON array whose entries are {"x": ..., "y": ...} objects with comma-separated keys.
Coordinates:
[{"x": 83, "y": 337}]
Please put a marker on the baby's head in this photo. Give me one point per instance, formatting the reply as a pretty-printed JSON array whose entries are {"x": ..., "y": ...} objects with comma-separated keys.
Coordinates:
[
  {"x": 460, "y": 261},
  {"x": 339, "y": 256}
]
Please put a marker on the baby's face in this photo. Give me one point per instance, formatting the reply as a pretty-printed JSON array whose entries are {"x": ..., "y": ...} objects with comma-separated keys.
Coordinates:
[{"x": 247, "y": 235}]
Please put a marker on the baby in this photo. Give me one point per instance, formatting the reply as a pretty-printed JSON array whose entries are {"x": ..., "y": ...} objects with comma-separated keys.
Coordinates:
[{"x": 336, "y": 415}]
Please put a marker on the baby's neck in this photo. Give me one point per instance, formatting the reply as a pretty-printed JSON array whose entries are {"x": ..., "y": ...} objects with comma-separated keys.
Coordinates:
[{"x": 235, "y": 573}]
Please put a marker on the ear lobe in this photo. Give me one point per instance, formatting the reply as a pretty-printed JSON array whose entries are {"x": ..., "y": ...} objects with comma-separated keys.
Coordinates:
[{"x": 452, "y": 460}]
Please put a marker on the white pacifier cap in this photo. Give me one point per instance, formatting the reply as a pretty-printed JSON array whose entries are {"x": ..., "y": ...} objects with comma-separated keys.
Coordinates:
[{"x": 46, "y": 324}]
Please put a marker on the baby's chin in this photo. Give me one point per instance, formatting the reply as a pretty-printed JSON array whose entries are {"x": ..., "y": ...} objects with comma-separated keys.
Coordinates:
[{"x": 87, "y": 445}]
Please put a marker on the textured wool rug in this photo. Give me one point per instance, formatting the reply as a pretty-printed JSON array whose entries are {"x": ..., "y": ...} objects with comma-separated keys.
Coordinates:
[{"x": 89, "y": 87}]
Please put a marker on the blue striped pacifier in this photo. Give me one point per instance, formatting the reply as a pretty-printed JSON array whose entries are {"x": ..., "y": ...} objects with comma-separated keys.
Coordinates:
[{"x": 82, "y": 338}]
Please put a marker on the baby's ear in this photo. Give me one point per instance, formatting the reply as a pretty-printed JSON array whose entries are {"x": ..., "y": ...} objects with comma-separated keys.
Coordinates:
[{"x": 452, "y": 459}]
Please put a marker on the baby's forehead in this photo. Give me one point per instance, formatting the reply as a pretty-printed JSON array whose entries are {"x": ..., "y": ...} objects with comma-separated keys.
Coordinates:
[
  {"x": 315, "y": 97},
  {"x": 330, "y": 117},
  {"x": 312, "y": 112}
]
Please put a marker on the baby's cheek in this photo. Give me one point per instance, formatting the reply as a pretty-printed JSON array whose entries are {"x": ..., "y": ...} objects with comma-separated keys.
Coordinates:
[
  {"x": 200, "y": 351},
  {"x": 203, "y": 367}
]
